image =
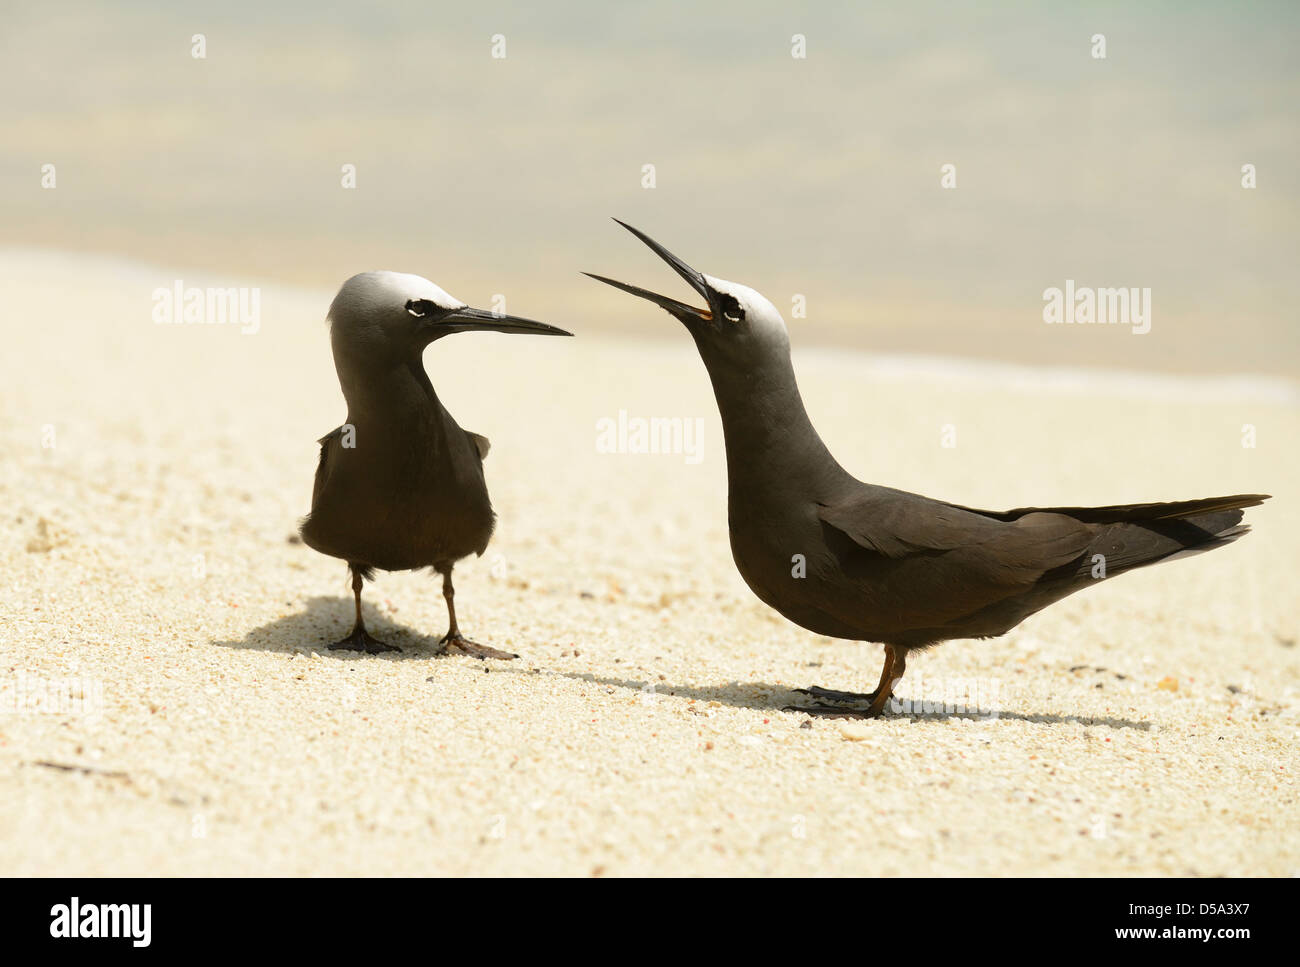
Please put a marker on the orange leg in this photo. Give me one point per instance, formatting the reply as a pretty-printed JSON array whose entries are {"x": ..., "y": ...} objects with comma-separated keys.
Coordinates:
[{"x": 890, "y": 675}]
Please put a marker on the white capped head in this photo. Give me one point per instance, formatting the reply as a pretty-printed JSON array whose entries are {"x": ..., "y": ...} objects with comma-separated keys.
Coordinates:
[
  {"x": 385, "y": 315},
  {"x": 373, "y": 296},
  {"x": 739, "y": 305},
  {"x": 738, "y": 321}
]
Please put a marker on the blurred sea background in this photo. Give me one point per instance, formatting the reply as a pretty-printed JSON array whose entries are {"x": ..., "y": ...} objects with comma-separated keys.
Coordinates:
[{"x": 817, "y": 176}]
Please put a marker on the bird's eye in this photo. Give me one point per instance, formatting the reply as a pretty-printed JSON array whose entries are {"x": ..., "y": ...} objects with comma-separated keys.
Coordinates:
[
  {"x": 420, "y": 308},
  {"x": 731, "y": 310}
]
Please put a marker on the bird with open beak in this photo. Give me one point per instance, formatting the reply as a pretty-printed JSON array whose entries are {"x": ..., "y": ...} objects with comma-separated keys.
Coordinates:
[
  {"x": 878, "y": 564},
  {"x": 400, "y": 485}
]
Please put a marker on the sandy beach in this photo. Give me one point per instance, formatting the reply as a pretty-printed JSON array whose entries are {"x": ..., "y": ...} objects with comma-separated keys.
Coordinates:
[{"x": 170, "y": 706}]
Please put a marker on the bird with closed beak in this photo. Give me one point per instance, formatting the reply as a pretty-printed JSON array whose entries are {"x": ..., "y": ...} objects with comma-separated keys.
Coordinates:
[
  {"x": 400, "y": 485},
  {"x": 878, "y": 564}
]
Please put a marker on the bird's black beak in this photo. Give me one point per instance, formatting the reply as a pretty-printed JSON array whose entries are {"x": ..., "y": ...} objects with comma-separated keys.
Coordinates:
[
  {"x": 681, "y": 310},
  {"x": 481, "y": 320}
]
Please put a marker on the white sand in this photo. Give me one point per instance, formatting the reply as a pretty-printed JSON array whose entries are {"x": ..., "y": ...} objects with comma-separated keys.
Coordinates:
[{"x": 642, "y": 730}]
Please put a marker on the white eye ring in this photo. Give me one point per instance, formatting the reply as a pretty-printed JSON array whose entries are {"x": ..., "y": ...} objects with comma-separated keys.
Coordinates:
[
  {"x": 419, "y": 307},
  {"x": 731, "y": 310}
]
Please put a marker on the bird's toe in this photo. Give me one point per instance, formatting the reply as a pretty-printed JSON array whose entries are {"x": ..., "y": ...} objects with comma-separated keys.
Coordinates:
[
  {"x": 359, "y": 640},
  {"x": 831, "y": 695},
  {"x": 452, "y": 644}
]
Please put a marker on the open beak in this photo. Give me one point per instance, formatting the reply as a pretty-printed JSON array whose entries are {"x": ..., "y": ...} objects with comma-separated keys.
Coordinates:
[
  {"x": 480, "y": 320},
  {"x": 681, "y": 310}
]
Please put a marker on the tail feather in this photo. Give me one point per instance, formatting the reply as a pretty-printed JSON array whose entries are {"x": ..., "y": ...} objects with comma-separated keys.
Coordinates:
[
  {"x": 1172, "y": 510},
  {"x": 1218, "y": 540},
  {"x": 1135, "y": 513},
  {"x": 1129, "y": 545}
]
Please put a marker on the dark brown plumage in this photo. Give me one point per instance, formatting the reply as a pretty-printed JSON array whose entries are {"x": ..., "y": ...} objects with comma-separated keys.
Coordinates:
[
  {"x": 400, "y": 485},
  {"x": 853, "y": 560}
]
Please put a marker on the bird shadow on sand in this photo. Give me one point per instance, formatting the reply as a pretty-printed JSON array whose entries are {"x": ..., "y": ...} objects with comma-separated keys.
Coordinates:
[
  {"x": 325, "y": 620},
  {"x": 767, "y": 697}
]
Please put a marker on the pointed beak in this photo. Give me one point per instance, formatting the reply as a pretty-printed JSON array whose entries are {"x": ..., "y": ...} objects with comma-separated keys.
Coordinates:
[
  {"x": 480, "y": 320},
  {"x": 681, "y": 310}
]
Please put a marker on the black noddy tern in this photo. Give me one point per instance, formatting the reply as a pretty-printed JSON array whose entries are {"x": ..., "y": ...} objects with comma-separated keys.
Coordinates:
[
  {"x": 883, "y": 565},
  {"x": 400, "y": 485}
]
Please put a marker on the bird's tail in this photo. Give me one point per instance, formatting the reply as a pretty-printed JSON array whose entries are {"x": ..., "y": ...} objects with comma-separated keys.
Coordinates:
[
  {"x": 1135, "y": 535},
  {"x": 1125, "y": 513}
]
